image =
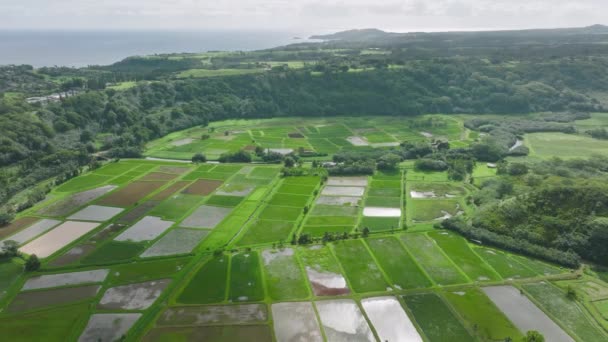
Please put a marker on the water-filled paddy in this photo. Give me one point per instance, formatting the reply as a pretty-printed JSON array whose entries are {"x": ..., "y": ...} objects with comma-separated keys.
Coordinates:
[
  {"x": 108, "y": 327},
  {"x": 63, "y": 279},
  {"x": 295, "y": 321},
  {"x": 213, "y": 314},
  {"x": 343, "y": 321},
  {"x": 148, "y": 228},
  {"x": 177, "y": 241},
  {"x": 137, "y": 296},
  {"x": 96, "y": 213},
  {"x": 58, "y": 238},
  {"x": 32, "y": 231},
  {"x": 389, "y": 319}
]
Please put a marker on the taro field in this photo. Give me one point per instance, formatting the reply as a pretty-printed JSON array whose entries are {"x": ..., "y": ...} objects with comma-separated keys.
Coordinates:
[
  {"x": 321, "y": 136},
  {"x": 147, "y": 250}
]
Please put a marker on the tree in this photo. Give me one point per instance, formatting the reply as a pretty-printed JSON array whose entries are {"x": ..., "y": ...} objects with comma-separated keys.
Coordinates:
[
  {"x": 389, "y": 161},
  {"x": 6, "y": 217},
  {"x": 199, "y": 158},
  {"x": 534, "y": 336},
  {"x": 32, "y": 263},
  {"x": 289, "y": 162},
  {"x": 365, "y": 232},
  {"x": 10, "y": 248}
]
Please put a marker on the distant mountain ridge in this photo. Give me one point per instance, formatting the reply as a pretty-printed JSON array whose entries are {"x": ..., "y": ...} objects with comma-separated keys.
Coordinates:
[{"x": 371, "y": 34}]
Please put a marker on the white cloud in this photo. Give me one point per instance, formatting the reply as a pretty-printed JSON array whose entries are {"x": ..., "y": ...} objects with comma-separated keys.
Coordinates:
[{"x": 312, "y": 15}]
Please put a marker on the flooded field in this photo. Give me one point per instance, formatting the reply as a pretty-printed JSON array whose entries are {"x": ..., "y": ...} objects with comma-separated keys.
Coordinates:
[
  {"x": 295, "y": 322},
  {"x": 358, "y": 141},
  {"x": 135, "y": 214},
  {"x": 65, "y": 206},
  {"x": 343, "y": 321},
  {"x": 96, "y": 213},
  {"x": 338, "y": 200},
  {"x": 347, "y": 181},
  {"x": 213, "y": 314},
  {"x": 524, "y": 314},
  {"x": 327, "y": 283},
  {"x": 381, "y": 212},
  {"x": 148, "y": 228},
  {"x": 353, "y": 191},
  {"x": 63, "y": 279},
  {"x": 108, "y": 327},
  {"x": 32, "y": 231},
  {"x": 222, "y": 333},
  {"x": 389, "y": 319},
  {"x": 32, "y": 300},
  {"x": 58, "y": 238},
  {"x": 177, "y": 241},
  {"x": 206, "y": 217},
  {"x": 133, "y": 296},
  {"x": 73, "y": 255}
]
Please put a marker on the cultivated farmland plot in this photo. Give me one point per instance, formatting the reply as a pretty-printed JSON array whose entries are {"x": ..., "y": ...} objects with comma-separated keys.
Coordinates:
[
  {"x": 65, "y": 206},
  {"x": 58, "y": 238},
  {"x": 63, "y": 279},
  {"x": 206, "y": 217},
  {"x": 284, "y": 277},
  {"x": 295, "y": 321},
  {"x": 524, "y": 314},
  {"x": 343, "y": 321},
  {"x": 323, "y": 272},
  {"x": 148, "y": 228},
  {"x": 32, "y": 231},
  {"x": 32, "y": 300},
  {"x": 177, "y": 241},
  {"x": 96, "y": 213},
  {"x": 133, "y": 296},
  {"x": 108, "y": 327},
  {"x": 389, "y": 319},
  {"x": 214, "y": 314},
  {"x": 437, "y": 321},
  {"x": 353, "y": 191}
]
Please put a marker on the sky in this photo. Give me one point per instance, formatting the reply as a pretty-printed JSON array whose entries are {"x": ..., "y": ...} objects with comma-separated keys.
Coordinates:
[{"x": 312, "y": 16}]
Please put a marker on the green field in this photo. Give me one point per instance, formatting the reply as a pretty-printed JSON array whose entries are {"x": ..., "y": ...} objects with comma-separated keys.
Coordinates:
[
  {"x": 547, "y": 145},
  {"x": 437, "y": 321},
  {"x": 209, "y": 283},
  {"x": 458, "y": 250},
  {"x": 284, "y": 277},
  {"x": 245, "y": 278},
  {"x": 432, "y": 259},
  {"x": 482, "y": 316},
  {"x": 506, "y": 266},
  {"x": 397, "y": 263},
  {"x": 360, "y": 268},
  {"x": 567, "y": 312}
]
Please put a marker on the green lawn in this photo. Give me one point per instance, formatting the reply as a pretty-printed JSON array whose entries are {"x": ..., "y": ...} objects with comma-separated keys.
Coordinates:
[
  {"x": 397, "y": 263},
  {"x": 273, "y": 212},
  {"x": 384, "y": 201},
  {"x": 547, "y": 145},
  {"x": 424, "y": 210},
  {"x": 143, "y": 271},
  {"x": 245, "y": 278},
  {"x": 360, "y": 268},
  {"x": 287, "y": 200},
  {"x": 432, "y": 260},
  {"x": 224, "y": 201},
  {"x": 85, "y": 182},
  {"x": 266, "y": 231},
  {"x": 437, "y": 321},
  {"x": 331, "y": 220},
  {"x": 376, "y": 224},
  {"x": 482, "y": 316},
  {"x": 208, "y": 284},
  {"x": 9, "y": 272}
]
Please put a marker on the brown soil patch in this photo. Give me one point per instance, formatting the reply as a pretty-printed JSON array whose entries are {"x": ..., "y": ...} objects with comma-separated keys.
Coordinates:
[
  {"x": 16, "y": 225},
  {"x": 130, "y": 194},
  {"x": 203, "y": 187},
  {"x": 158, "y": 176},
  {"x": 212, "y": 333},
  {"x": 73, "y": 255},
  {"x": 295, "y": 135},
  {"x": 174, "y": 169},
  {"x": 320, "y": 290},
  {"x": 138, "y": 212},
  {"x": 249, "y": 148},
  {"x": 26, "y": 301},
  {"x": 163, "y": 195}
]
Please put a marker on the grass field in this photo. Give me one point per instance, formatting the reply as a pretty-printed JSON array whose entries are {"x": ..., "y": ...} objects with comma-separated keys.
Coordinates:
[
  {"x": 433, "y": 261},
  {"x": 433, "y": 209},
  {"x": 361, "y": 270},
  {"x": 547, "y": 145},
  {"x": 208, "y": 285},
  {"x": 458, "y": 250},
  {"x": 507, "y": 267},
  {"x": 245, "y": 278},
  {"x": 482, "y": 316},
  {"x": 437, "y": 321},
  {"x": 397, "y": 263},
  {"x": 565, "y": 311}
]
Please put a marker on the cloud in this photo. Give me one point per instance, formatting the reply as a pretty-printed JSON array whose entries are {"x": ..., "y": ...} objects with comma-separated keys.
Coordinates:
[{"x": 312, "y": 15}]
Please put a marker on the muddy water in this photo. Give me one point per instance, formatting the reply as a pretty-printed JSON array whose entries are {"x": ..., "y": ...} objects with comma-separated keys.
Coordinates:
[
  {"x": 327, "y": 283},
  {"x": 389, "y": 319},
  {"x": 343, "y": 321},
  {"x": 295, "y": 322}
]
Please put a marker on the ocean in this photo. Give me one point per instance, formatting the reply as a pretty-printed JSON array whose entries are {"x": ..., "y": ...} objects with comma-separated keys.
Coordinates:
[{"x": 82, "y": 48}]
